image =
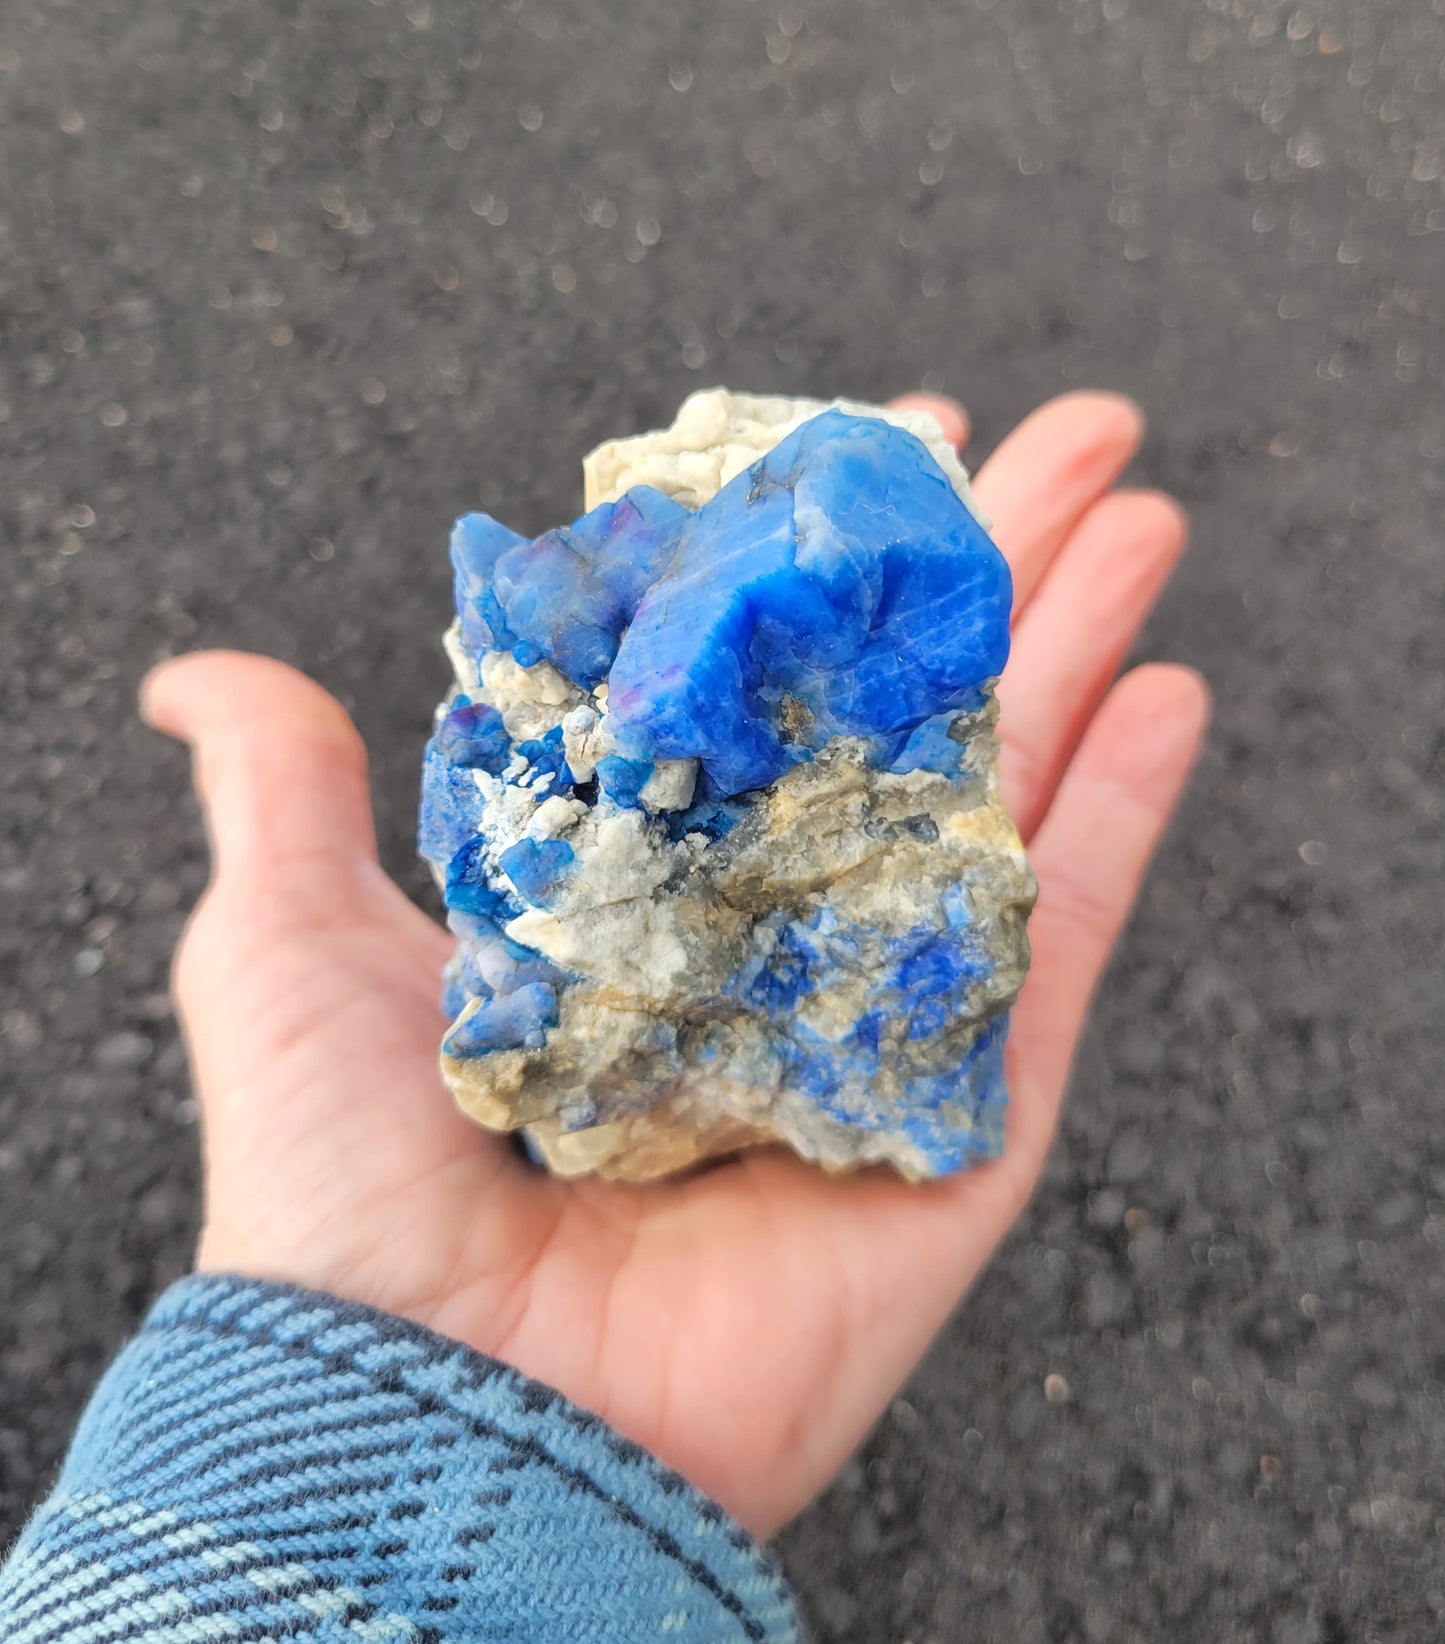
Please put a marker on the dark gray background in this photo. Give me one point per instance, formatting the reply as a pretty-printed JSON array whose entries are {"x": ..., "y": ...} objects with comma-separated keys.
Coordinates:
[{"x": 286, "y": 284}]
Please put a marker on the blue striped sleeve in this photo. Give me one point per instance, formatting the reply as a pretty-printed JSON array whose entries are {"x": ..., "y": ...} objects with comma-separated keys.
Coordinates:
[{"x": 263, "y": 1464}]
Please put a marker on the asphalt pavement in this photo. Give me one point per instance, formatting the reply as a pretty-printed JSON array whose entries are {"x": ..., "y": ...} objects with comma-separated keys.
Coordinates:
[{"x": 286, "y": 284}]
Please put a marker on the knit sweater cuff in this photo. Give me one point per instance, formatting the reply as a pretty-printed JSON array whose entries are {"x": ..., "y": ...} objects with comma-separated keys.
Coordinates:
[{"x": 264, "y": 1463}]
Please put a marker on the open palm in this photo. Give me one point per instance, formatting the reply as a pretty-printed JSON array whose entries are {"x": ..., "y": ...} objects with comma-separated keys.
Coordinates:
[{"x": 746, "y": 1325}]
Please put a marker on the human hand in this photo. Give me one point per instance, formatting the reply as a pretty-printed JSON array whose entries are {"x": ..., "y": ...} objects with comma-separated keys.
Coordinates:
[{"x": 746, "y": 1325}]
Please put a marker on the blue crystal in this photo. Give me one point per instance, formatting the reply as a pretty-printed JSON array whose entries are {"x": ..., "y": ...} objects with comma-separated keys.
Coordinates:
[
  {"x": 473, "y": 735},
  {"x": 478, "y": 542},
  {"x": 536, "y": 869},
  {"x": 470, "y": 889},
  {"x": 930, "y": 746},
  {"x": 837, "y": 587},
  {"x": 622, "y": 779},
  {"x": 712, "y": 818},
  {"x": 548, "y": 759},
  {"x": 451, "y": 806},
  {"x": 488, "y": 961},
  {"x": 506, "y": 1022},
  {"x": 566, "y": 597}
]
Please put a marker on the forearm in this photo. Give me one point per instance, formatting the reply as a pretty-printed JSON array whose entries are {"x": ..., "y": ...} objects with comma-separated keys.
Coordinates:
[{"x": 264, "y": 1462}]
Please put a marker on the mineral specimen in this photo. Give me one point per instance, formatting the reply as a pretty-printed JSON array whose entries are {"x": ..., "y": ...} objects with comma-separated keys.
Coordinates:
[{"x": 714, "y": 809}]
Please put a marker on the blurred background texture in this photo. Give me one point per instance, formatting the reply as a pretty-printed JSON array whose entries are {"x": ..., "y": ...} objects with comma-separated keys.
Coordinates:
[{"x": 287, "y": 284}]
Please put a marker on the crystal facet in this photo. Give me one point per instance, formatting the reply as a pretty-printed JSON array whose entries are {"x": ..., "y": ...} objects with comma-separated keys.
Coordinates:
[{"x": 714, "y": 805}]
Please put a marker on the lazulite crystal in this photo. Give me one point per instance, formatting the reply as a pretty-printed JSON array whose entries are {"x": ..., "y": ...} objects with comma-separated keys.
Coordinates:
[{"x": 714, "y": 805}]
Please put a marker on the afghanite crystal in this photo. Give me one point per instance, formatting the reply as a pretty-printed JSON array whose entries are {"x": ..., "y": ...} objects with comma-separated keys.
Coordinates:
[{"x": 714, "y": 804}]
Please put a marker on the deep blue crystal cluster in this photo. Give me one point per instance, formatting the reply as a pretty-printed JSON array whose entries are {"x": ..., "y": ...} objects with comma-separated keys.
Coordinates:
[{"x": 837, "y": 588}]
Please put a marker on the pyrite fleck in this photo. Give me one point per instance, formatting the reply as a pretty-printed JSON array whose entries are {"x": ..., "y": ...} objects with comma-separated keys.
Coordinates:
[{"x": 714, "y": 807}]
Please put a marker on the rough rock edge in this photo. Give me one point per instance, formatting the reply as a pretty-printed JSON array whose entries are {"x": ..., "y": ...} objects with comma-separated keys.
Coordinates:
[
  {"x": 686, "y": 1114},
  {"x": 715, "y": 436}
]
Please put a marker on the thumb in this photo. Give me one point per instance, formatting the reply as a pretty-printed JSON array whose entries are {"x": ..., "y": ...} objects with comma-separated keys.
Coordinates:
[
  {"x": 304, "y": 968},
  {"x": 306, "y": 982},
  {"x": 281, "y": 775}
]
